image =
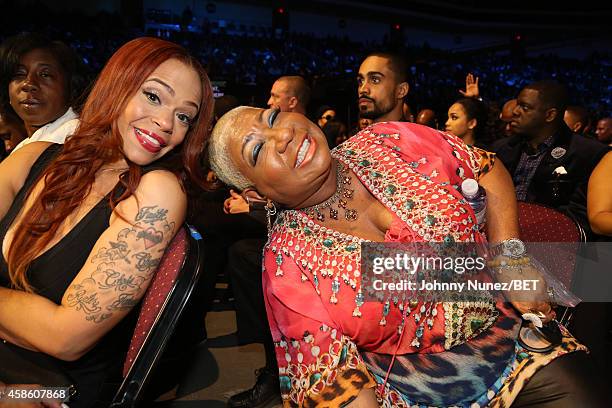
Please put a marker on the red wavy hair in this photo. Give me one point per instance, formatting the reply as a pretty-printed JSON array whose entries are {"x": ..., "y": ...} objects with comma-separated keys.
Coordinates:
[{"x": 97, "y": 141}]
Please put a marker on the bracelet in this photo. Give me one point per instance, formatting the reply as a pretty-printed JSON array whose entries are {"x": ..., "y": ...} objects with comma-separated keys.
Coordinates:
[{"x": 497, "y": 262}]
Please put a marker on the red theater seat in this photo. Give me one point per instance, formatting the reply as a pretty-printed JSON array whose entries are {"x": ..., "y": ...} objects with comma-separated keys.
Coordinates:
[{"x": 162, "y": 305}]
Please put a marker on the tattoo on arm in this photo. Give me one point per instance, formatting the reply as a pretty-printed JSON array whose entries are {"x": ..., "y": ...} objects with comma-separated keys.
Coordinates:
[{"x": 121, "y": 272}]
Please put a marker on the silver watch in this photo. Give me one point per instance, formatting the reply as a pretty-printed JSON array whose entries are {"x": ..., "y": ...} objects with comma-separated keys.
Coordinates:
[{"x": 512, "y": 248}]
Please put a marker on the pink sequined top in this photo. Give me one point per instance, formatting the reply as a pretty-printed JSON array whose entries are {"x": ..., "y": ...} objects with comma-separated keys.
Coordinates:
[{"x": 312, "y": 280}]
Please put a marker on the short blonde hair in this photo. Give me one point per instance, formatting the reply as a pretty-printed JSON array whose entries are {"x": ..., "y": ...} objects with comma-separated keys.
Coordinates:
[{"x": 218, "y": 150}]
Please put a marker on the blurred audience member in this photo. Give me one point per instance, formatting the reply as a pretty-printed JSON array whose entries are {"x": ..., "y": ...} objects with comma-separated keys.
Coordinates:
[
  {"x": 407, "y": 112},
  {"x": 577, "y": 119},
  {"x": 12, "y": 131},
  {"x": 39, "y": 81},
  {"x": 325, "y": 114},
  {"x": 427, "y": 117},
  {"x": 224, "y": 104},
  {"x": 604, "y": 131},
  {"x": 549, "y": 164},
  {"x": 382, "y": 85},
  {"x": 335, "y": 132},
  {"x": 506, "y": 116},
  {"x": 364, "y": 123},
  {"x": 290, "y": 94}
]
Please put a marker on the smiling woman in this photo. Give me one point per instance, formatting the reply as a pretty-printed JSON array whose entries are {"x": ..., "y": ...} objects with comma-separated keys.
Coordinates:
[
  {"x": 72, "y": 270},
  {"x": 392, "y": 182}
]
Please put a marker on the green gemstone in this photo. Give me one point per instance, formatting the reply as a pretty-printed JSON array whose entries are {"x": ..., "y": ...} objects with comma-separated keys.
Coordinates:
[
  {"x": 314, "y": 378},
  {"x": 351, "y": 152},
  {"x": 364, "y": 163},
  {"x": 476, "y": 324},
  {"x": 409, "y": 204},
  {"x": 521, "y": 356},
  {"x": 430, "y": 220},
  {"x": 390, "y": 189},
  {"x": 343, "y": 355},
  {"x": 351, "y": 247},
  {"x": 285, "y": 384},
  {"x": 307, "y": 231},
  {"x": 293, "y": 224},
  {"x": 376, "y": 174},
  {"x": 328, "y": 242}
]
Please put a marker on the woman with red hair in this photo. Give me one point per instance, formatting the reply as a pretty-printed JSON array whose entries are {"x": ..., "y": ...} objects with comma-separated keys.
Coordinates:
[{"x": 83, "y": 227}]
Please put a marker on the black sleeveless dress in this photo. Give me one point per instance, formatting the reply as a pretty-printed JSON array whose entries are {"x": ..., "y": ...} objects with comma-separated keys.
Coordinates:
[{"x": 98, "y": 372}]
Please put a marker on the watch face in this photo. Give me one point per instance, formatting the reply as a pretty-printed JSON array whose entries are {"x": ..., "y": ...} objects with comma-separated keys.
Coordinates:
[{"x": 514, "y": 248}]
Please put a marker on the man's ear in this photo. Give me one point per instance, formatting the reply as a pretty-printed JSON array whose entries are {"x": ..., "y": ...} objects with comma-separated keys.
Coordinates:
[
  {"x": 402, "y": 90},
  {"x": 293, "y": 102},
  {"x": 551, "y": 114}
]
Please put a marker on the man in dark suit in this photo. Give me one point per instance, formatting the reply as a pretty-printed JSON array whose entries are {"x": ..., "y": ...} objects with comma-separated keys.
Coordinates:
[{"x": 549, "y": 164}]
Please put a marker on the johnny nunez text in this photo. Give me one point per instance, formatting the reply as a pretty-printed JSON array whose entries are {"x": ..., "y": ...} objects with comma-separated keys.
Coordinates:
[{"x": 473, "y": 284}]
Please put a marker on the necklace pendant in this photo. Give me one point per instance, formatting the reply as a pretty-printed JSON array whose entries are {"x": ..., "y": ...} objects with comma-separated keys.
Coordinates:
[
  {"x": 350, "y": 215},
  {"x": 320, "y": 216},
  {"x": 333, "y": 214},
  {"x": 348, "y": 194},
  {"x": 342, "y": 203}
]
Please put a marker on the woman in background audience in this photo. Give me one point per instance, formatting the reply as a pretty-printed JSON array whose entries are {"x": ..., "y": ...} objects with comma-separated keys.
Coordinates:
[
  {"x": 468, "y": 120},
  {"x": 39, "y": 81},
  {"x": 84, "y": 225}
]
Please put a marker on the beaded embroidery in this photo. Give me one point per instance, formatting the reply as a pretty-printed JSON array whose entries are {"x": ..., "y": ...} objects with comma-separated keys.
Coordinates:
[
  {"x": 430, "y": 208},
  {"x": 299, "y": 380},
  {"x": 422, "y": 203}
]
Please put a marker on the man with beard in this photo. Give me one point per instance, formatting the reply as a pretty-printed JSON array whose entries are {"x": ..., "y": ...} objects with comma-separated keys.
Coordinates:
[
  {"x": 382, "y": 86},
  {"x": 549, "y": 164}
]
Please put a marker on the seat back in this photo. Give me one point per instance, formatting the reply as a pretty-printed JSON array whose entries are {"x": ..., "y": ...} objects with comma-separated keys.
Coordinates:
[
  {"x": 161, "y": 307},
  {"x": 539, "y": 224}
]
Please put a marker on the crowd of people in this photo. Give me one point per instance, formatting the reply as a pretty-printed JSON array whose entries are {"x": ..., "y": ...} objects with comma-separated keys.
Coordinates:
[{"x": 111, "y": 169}]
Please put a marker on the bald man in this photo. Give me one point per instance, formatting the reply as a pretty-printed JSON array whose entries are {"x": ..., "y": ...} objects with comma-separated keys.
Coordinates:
[
  {"x": 427, "y": 117},
  {"x": 290, "y": 94},
  {"x": 506, "y": 116},
  {"x": 577, "y": 119}
]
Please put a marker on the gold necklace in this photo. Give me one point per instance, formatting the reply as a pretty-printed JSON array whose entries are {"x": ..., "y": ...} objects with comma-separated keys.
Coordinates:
[{"x": 341, "y": 196}]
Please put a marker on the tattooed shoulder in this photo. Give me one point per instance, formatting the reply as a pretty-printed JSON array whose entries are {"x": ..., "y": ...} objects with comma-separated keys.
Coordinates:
[{"x": 123, "y": 267}]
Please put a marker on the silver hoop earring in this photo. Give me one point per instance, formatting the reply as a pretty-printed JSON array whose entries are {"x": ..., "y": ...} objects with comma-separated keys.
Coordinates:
[{"x": 270, "y": 212}]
